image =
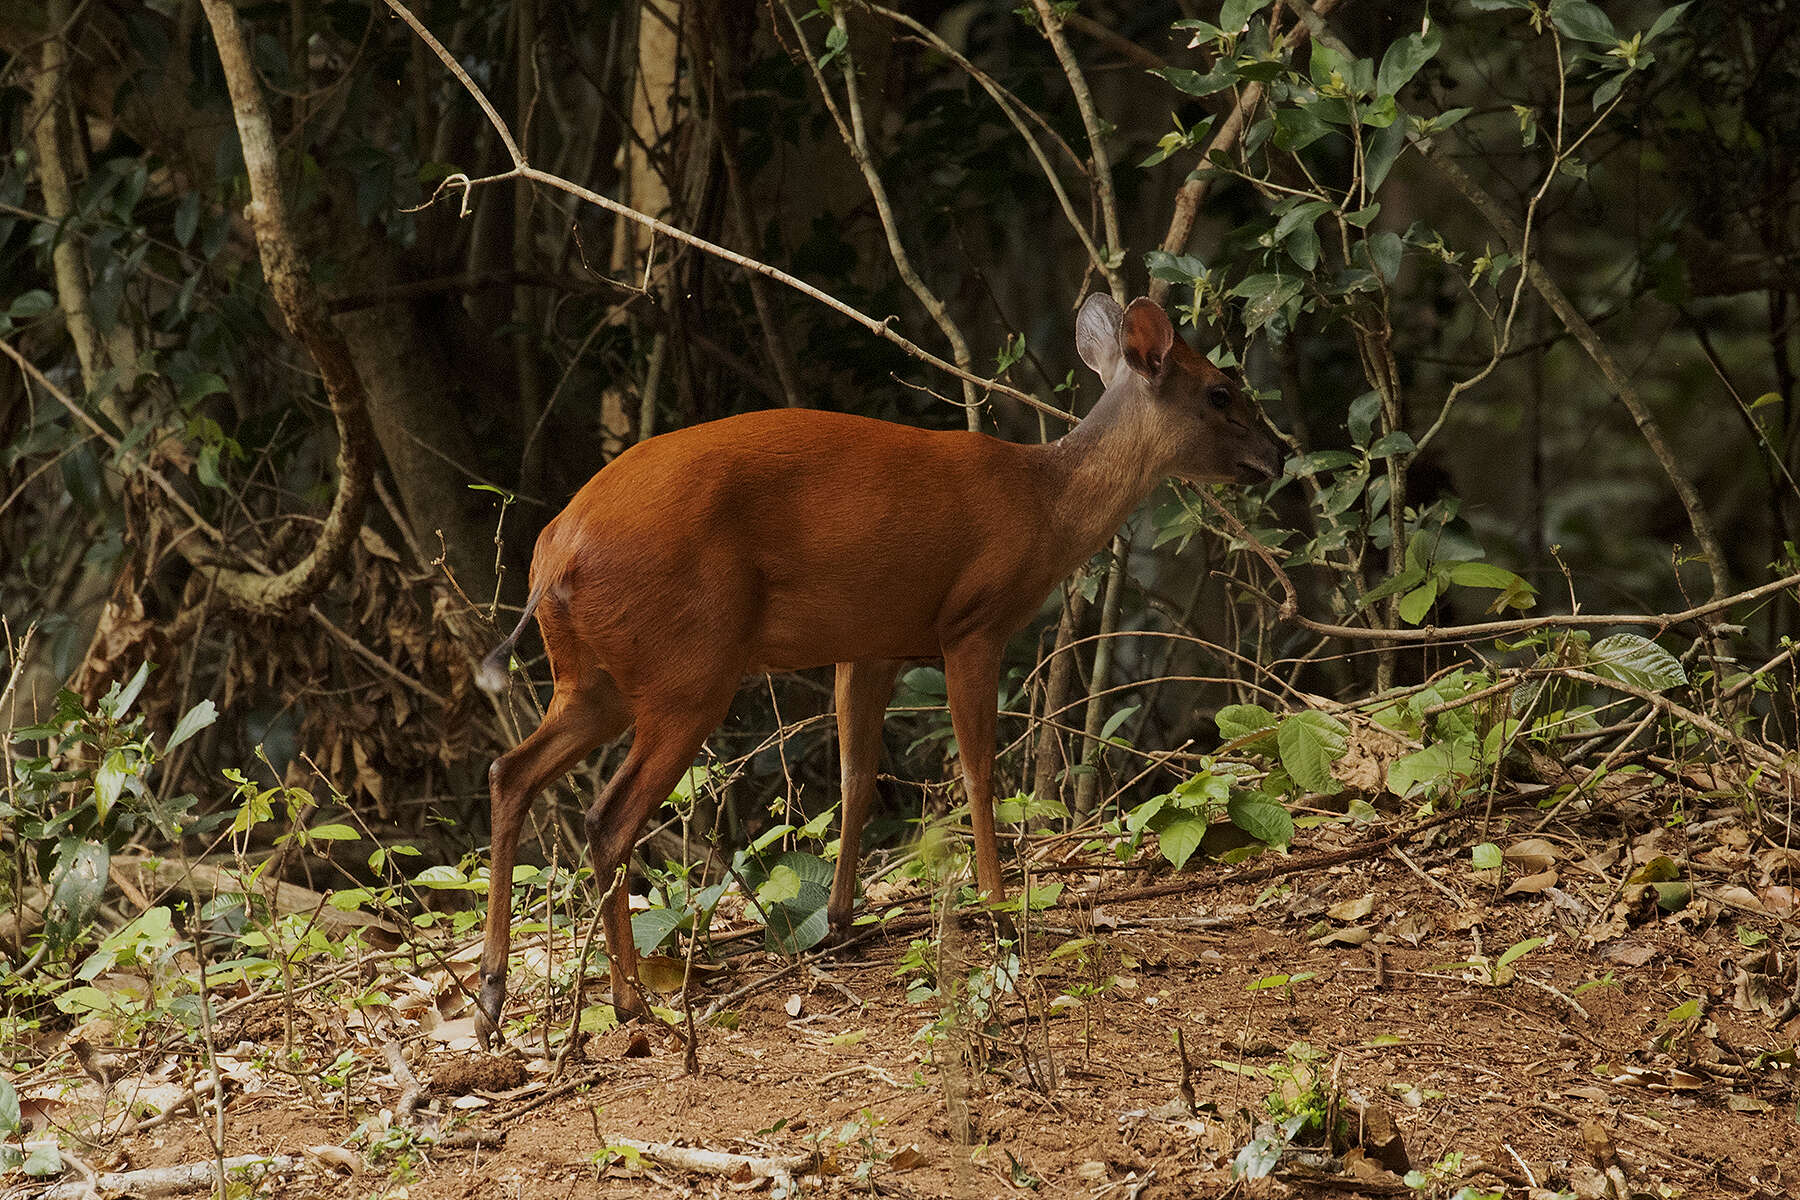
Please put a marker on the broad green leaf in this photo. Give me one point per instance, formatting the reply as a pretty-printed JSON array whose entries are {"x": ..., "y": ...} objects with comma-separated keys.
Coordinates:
[
  {"x": 1296, "y": 128},
  {"x": 80, "y": 884},
  {"x": 1406, "y": 580},
  {"x": 333, "y": 832},
  {"x": 187, "y": 218},
  {"x": 192, "y": 722},
  {"x": 1261, "y": 817},
  {"x": 1236, "y": 720},
  {"x": 1431, "y": 765},
  {"x": 109, "y": 783},
  {"x": 1300, "y": 214},
  {"x": 1310, "y": 742},
  {"x": 1633, "y": 659},
  {"x": 1416, "y": 604},
  {"x": 1404, "y": 58},
  {"x": 1196, "y": 84},
  {"x": 1390, "y": 444},
  {"x": 1583, "y": 21},
  {"x": 1362, "y": 216},
  {"x": 1484, "y": 575},
  {"x": 1385, "y": 251},
  {"x": 198, "y": 386},
  {"x": 782, "y": 884},
  {"x": 1384, "y": 149},
  {"x": 652, "y": 927},
  {"x": 1662, "y": 24},
  {"x": 1486, "y": 857},
  {"x": 799, "y": 925},
  {"x": 1180, "y": 838},
  {"x": 1235, "y": 14},
  {"x": 10, "y": 1118},
  {"x": 808, "y": 868},
  {"x": 34, "y": 303}
]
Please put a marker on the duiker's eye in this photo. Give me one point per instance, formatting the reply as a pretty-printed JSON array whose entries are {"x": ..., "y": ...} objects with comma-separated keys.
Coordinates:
[{"x": 1220, "y": 395}]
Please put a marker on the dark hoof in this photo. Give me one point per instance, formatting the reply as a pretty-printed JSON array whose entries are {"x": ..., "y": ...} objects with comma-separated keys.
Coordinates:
[{"x": 487, "y": 1012}]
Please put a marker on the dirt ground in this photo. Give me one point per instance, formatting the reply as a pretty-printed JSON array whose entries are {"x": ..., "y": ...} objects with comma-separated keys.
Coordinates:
[{"x": 1635, "y": 1051}]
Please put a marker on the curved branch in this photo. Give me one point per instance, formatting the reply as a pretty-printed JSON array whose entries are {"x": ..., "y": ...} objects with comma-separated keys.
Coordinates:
[
  {"x": 522, "y": 170},
  {"x": 290, "y": 282}
]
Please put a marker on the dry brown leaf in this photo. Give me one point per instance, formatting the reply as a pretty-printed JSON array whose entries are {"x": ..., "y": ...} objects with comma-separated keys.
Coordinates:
[
  {"x": 1352, "y": 910},
  {"x": 1531, "y": 885},
  {"x": 1533, "y": 855}
]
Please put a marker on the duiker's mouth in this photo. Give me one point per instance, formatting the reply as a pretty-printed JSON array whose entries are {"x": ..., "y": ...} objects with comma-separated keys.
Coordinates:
[{"x": 1258, "y": 468}]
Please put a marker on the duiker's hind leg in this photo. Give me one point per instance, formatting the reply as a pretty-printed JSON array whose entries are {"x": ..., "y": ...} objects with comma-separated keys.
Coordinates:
[
  {"x": 669, "y": 736},
  {"x": 586, "y": 711}
]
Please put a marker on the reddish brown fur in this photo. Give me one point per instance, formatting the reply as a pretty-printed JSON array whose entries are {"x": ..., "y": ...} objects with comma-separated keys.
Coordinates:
[{"x": 791, "y": 538}]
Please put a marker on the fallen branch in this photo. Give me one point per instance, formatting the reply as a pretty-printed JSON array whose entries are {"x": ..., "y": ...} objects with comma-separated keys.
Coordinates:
[
  {"x": 172, "y": 1181},
  {"x": 718, "y": 1162}
]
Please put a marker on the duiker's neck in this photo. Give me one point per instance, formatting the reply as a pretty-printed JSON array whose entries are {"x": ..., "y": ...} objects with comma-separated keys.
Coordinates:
[{"x": 1105, "y": 466}]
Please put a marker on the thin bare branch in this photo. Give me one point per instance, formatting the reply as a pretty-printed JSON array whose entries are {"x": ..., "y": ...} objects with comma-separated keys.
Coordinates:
[{"x": 522, "y": 170}]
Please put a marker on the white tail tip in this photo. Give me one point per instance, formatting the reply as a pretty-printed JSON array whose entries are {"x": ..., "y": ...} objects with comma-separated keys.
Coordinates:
[{"x": 491, "y": 677}]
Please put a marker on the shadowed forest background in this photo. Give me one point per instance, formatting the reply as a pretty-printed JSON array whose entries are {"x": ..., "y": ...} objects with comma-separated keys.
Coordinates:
[{"x": 1517, "y": 283}]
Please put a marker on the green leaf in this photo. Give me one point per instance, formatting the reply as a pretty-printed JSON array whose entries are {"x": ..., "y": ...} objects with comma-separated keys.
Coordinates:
[
  {"x": 109, "y": 783},
  {"x": 1196, "y": 84},
  {"x": 1404, "y": 58},
  {"x": 1385, "y": 251},
  {"x": 1301, "y": 214},
  {"x": 1662, "y": 23},
  {"x": 1633, "y": 659},
  {"x": 34, "y": 303},
  {"x": 117, "y": 705},
  {"x": 836, "y": 40},
  {"x": 1235, "y": 14},
  {"x": 652, "y": 927},
  {"x": 198, "y": 386},
  {"x": 1384, "y": 149},
  {"x": 1487, "y": 575},
  {"x": 1303, "y": 248},
  {"x": 1428, "y": 766},
  {"x": 187, "y": 218},
  {"x": 10, "y": 1118},
  {"x": 332, "y": 832},
  {"x": 1237, "y": 720},
  {"x": 799, "y": 925},
  {"x": 1486, "y": 857},
  {"x": 1296, "y": 128},
  {"x": 192, "y": 722},
  {"x": 1310, "y": 742},
  {"x": 1117, "y": 719},
  {"x": 1409, "y": 578},
  {"x": 1180, "y": 838},
  {"x": 80, "y": 884},
  {"x": 1362, "y": 216},
  {"x": 1764, "y": 400},
  {"x": 1583, "y": 21},
  {"x": 1417, "y": 603},
  {"x": 1266, "y": 295},
  {"x": 1390, "y": 444},
  {"x": 1262, "y": 817},
  {"x": 1519, "y": 949}
]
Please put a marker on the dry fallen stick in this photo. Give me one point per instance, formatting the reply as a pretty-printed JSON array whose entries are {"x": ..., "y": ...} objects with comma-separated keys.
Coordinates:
[
  {"x": 718, "y": 1162},
  {"x": 171, "y": 1181}
]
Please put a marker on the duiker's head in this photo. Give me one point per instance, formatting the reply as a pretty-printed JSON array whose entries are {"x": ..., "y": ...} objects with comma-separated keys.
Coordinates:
[{"x": 1211, "y": 433}]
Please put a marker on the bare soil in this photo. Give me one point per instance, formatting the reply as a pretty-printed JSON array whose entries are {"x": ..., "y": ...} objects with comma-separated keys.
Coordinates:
[{"x": 1634, "y": 1048}]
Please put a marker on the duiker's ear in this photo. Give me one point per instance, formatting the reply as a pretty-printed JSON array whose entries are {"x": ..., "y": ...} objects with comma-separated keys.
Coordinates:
[
  {"x": 1145, "y": 336},
  {"x": 1097, "y": 334}
]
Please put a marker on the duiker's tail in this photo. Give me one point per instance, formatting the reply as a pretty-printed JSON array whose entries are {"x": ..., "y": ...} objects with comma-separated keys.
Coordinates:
[{"x": 492, "y": 674}]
